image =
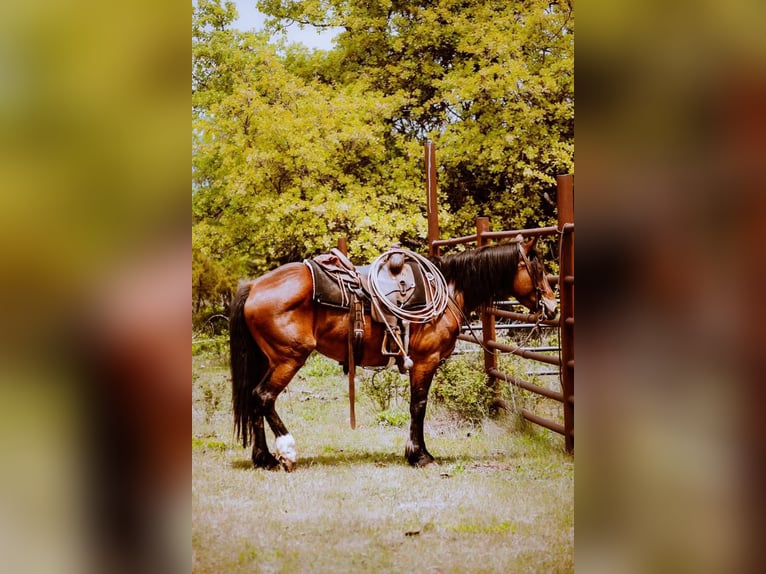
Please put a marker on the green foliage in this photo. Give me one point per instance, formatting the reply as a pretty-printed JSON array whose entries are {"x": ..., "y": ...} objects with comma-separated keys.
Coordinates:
[
  {"x": 460, "y": 385},
  {"x": 392, "y": 418},
  {"x": 492, "y": 83},
  {"x": 319, "y": 366},
  {"x": 213, "y": 349},
  {"x": 293, "y": 148},
  {"x": 208, "y": 444},
  {"x": 384, "y": 388},
  {"x": 473, "y": 528},
  {"x": 210, "y": 392}
]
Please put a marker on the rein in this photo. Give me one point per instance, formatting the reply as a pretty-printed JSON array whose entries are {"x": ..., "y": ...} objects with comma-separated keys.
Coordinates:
[{"x": 464, "y": 319}]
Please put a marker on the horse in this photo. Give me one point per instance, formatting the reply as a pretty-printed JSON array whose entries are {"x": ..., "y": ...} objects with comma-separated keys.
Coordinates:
[{"x": 275, "y": 325}]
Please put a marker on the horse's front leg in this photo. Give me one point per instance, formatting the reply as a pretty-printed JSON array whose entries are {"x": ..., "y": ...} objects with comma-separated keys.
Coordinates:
[{"x": 421, "y": 376}]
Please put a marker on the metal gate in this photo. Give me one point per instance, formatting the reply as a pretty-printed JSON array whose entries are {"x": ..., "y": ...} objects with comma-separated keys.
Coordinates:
[{"x": 565, "y": 323}]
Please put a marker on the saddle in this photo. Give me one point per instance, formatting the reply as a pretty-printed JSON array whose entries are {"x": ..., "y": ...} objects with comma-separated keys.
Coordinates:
[
  {"x": 399, "y": 279},
  {"x": 336, "y": 279}
]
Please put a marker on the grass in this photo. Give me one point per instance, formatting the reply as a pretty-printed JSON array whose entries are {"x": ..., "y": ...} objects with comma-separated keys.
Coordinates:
[{"x": 499, "y": 500}]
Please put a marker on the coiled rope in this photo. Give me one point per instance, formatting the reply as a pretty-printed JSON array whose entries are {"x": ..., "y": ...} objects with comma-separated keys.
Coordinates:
[{"x": 437, "y": 296}]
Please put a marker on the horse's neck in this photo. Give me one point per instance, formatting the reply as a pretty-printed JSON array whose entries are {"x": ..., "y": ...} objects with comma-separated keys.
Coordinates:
[{"x": 457, "y": 297}]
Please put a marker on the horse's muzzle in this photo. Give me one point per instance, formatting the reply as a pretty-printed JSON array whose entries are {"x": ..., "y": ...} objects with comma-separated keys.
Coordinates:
[{"x": 549, "y": 307}]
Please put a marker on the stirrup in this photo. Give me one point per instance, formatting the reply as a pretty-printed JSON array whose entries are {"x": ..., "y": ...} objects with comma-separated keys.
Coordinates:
[
  {"x": 398, "y": 357},
  {"x": 385, "y": 346}
]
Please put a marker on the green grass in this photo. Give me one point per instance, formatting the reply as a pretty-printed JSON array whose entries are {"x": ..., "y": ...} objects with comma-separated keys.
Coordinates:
[{"x": 499, "y": 500}]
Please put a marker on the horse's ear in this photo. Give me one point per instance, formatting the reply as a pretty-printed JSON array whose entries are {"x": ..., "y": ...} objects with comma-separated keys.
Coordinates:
[{"x": 529, "y": 246}]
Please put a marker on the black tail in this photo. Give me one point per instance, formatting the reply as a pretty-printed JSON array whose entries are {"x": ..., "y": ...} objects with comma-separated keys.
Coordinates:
[{"x": 248, "y": 366}]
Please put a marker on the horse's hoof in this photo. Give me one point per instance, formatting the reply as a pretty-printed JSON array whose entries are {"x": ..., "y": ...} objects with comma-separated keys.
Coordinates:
[
  {"x": 424, "y": 461},
  {"x": 265, "y": 461},
  {"x": 417, "y": 457},
  {"x": 286, "y": 452}
]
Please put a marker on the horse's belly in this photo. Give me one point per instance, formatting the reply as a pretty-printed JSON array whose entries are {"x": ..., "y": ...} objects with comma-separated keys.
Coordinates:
[{"x": 332, "y": 330}]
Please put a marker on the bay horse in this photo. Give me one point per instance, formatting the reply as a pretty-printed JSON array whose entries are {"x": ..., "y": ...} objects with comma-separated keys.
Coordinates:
[{"x": 275, "y": 325}]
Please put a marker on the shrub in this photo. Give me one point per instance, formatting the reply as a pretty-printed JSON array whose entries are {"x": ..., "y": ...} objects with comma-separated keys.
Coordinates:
[
  {"x": 392, "y": 418},
  {"x": 214, "y": 349},
  {"x": 460, "y": 385},
  {"x": 320, "y": 366},
  {"x": 384, "y": 387}
]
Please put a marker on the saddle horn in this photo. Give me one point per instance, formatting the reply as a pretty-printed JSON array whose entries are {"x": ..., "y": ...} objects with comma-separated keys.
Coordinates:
[{"x": 395, "y": 261}]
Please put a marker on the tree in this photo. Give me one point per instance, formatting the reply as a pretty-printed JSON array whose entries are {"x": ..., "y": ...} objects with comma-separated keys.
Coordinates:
[
  {"x": 491, "y": 83},
  {"x": 282, "y": 166},
  {"x": 293, "y": 148}
]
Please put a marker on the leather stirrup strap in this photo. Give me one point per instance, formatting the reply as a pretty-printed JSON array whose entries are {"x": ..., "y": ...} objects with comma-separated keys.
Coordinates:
[
  {"x": 351, "y": 366},
  {"x": 355, "y": 348}
]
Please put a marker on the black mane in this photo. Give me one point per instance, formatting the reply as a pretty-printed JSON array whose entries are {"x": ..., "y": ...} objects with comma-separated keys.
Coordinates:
[{"x": 483, "y": 275}]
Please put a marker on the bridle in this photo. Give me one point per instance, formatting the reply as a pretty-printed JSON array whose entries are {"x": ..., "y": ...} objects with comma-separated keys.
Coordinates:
[{"x": 535, "y": 277}]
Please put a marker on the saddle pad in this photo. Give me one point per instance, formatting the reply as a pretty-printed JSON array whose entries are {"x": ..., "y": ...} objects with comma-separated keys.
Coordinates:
[{"x": 330, "y": 289}]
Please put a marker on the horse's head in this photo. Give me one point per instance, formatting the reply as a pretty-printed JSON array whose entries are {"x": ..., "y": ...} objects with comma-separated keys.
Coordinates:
[{"x": 531, "y": 285}]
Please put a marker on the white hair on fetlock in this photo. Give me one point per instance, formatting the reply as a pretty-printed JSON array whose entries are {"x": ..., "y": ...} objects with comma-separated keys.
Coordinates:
[{"x": 286, "y": 452}]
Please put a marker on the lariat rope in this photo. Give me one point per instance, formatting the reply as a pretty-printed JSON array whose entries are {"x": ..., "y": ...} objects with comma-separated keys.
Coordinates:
[{"x": 435, "y": 284}]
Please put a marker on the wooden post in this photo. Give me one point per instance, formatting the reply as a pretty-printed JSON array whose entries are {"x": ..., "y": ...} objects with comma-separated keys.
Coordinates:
[
  {"x": 343, "y": 248},
  {"x": 488, "y": 324},
  {"x": 431, "y": 196},
  {"x": 565, "y": 198}
]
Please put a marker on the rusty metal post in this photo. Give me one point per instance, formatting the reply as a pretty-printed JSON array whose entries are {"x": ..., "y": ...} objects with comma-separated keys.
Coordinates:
[
  {"x": 432, "y": 200},
  {"x": 488, "y": 322},
  {"x": 343, "y": 245},
  {"x": 565, "y": 197},
  {"x": 343, "y": 248}
]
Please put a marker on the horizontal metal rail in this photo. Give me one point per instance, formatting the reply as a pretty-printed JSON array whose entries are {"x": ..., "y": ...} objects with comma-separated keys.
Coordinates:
[
  {"x": 466, "y": 328},
  {"x": 526, "y": 385},
  {"x": 527, "y": 317},
  {"x": 542, "y": 348},
  {"x": 554, "y": 426},
  {"x": 536, "y": 232},
  {"x": 514, "y": 350},
  {"x": 523, "y": 326},
  {"x": 453, "y": 241}
]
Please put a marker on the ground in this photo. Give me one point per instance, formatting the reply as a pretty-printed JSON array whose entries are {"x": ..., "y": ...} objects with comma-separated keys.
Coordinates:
[{"x": 500, "y": 498}]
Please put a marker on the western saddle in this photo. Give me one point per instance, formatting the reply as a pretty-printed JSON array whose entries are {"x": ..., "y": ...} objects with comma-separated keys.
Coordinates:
[{"x": 399, "y": 279}]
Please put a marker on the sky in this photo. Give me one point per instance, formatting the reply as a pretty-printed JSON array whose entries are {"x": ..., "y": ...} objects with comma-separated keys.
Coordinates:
[{"x": 251, "y": 19}]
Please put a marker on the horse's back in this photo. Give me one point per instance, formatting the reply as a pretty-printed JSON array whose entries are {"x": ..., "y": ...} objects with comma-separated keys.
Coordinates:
[{"x": 281, "y": 289}]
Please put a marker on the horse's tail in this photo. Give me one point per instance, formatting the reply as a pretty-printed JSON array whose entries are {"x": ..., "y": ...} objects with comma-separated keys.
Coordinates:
[{"x": 248, "y": 366}]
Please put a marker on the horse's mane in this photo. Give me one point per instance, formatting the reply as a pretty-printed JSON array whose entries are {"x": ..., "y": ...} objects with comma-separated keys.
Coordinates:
[{"x": 483, "y": 275}]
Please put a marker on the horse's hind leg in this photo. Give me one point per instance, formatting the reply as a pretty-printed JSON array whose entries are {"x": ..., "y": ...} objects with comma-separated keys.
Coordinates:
[
  {"x": 284, "y": 447},
  {"x": 267, "y": 393},
  {"x": 262, "y": 458}
]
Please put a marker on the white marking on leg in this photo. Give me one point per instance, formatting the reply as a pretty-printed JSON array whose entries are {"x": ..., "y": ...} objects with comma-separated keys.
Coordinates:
[
  {"x": 287, "y": 455},
  {"x": 409, "y": 448}
]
